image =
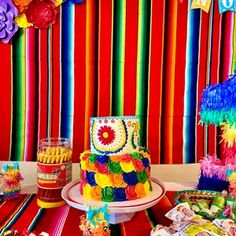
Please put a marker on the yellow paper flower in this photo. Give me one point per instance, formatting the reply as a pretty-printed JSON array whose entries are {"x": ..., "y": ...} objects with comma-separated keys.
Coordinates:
[
  {"x": 58, "y": 3},
  {"x": 22, "y": 22}
]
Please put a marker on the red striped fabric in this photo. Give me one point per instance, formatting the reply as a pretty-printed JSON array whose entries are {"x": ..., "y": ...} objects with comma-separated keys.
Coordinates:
[
  {"x": 65, "y": 220},
  {"x": 55, "y": 77},
  {"x": 153, "y": 89},
  {"x": 130, "y": 57},
  {"x": 5, "y": 100},
  {"x": 104, "y": 57},
  {"x": 43, "y": 84},
  {"x": 79, "y": 82},
  {"x": 156, "y": 71}
]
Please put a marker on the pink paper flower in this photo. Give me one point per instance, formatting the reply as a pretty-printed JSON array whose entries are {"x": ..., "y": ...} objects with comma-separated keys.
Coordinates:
[
  {"x": 7, "y": 26},
  {"x": 41, "y": 13}
]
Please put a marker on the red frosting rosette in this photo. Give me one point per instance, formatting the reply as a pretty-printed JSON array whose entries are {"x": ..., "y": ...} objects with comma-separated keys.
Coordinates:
[
  {"x": 83, "y": 175},
  {"x": 101, "y": 168},
  {"x": 138, "y": 165},
  {"x": 126, "y": 158},
  {"x": 131, "y": 193}
]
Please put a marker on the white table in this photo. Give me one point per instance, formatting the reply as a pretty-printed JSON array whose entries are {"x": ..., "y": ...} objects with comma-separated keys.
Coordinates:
[{"x": 175, "y": 177}]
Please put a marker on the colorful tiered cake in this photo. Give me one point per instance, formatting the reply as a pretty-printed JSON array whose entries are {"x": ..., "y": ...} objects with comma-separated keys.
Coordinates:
[{"x": 115, "y": 168}]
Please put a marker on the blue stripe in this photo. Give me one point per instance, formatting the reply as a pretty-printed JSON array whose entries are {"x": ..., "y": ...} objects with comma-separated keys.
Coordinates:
[
  {"x": 208, "y": 76},
  {"x": 190, "y": 93},
  {"x": 67, "y": 73},
  {"x": 17, "y": 215},
  {"x": 35, "y": 220}
]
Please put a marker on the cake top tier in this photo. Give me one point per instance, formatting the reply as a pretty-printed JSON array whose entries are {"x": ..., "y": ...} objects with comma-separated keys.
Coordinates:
[{"x": 114, "y": 134}]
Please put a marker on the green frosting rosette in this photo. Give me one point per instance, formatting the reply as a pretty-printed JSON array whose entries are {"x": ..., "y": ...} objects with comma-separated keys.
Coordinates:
[
  {"x": 136, "y": 155},
  {"x": 114, "y": 167},
  {"x": 142, "y": 176},
  {"x": 107, "y": 194},
  {"x": 93, "y": 158}
]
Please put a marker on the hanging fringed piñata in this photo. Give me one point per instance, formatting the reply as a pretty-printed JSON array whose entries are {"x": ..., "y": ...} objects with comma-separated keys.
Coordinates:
[{"x": 218, "y": 107}]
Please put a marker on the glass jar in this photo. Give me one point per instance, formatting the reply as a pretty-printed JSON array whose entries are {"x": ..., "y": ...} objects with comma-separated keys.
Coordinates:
[{"x": 54, "y": 170}]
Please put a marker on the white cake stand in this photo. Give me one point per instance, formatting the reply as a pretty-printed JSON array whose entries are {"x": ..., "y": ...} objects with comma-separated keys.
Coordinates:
[{"x": 118, "y": 211}]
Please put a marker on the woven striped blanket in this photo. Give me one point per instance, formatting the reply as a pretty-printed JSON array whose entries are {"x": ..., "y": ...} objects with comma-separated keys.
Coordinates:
[{"x": 24, "y": 213}]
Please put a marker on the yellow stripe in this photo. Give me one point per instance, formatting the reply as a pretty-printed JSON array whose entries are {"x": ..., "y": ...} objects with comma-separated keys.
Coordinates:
[
  {"x": 23, "y": 91},
  {"x": 233, "y": 65},
  {"x": 121, "y": 105},
  {"x": 172, "y": 79}
]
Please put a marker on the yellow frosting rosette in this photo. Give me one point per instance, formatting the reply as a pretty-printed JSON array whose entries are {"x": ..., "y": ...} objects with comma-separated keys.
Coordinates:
[
  {"x": 146, "y": 186},
  {"x": 87, "y": 190},
  {"x": 115, "y": 158},
  {"x": 127, "y": 166},
  {"x": 139, "y": 189},
  {"x": 102, "y": 180},
  {"x": 96, "y": 193},
  {"x": 117, "y": 181},
  {"x": 83, "y": 164}
]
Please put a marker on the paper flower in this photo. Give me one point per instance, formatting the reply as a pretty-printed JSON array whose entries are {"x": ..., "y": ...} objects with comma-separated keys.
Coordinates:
[
  {"x": 22, "y": 22},
  {"x": 41, "y": 13},
  {"x": 21, "y": 4},
  {"x": 7, "y": 26}
]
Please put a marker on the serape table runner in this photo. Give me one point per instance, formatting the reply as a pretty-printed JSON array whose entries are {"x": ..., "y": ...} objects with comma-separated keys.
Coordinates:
[{"x": 24, "y": 213}]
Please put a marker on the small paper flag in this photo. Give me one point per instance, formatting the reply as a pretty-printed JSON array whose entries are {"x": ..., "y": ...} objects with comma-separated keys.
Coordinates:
[
  {"x": 227, "y": 5},
  {"x": 202, "y": 4}
]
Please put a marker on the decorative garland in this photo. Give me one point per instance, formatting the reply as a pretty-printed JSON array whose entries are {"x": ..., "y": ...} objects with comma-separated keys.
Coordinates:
[{"x": 15, "y": 14}]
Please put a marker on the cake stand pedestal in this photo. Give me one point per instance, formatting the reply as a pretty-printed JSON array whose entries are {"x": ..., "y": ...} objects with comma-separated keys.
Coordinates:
[{"x": 118, "y": 211}]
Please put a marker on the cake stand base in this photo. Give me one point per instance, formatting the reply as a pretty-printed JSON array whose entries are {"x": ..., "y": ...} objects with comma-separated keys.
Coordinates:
[
  {"x": 116, "y": 218},
  {"x": 118, "y": 211}
]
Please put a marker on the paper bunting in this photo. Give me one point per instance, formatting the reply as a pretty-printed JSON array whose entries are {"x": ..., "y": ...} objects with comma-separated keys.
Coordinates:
[
  {"x": 224, "y": 5},
  {"x": 202, "y": 4},
  {"x": 227, "y": 5}
]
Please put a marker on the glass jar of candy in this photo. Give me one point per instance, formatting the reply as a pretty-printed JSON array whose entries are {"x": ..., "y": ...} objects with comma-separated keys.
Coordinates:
[{"x": 54, "y": 170}]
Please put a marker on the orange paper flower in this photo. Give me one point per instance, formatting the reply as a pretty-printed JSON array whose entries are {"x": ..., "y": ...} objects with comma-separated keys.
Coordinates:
[{"x": 21, "y": 4}]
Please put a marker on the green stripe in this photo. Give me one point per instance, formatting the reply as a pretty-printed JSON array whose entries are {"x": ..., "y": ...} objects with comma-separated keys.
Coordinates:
[
  {"x": 18, "y": 122},
  {"x": 143, "y": 65},
  {"x": 118, "y": 57},
  {"x": 234, "y": 47}
]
